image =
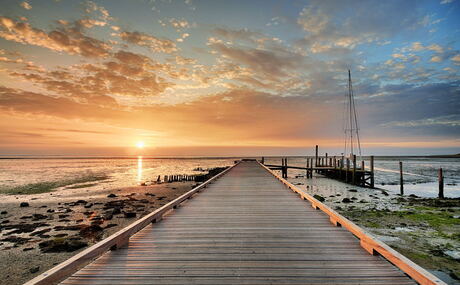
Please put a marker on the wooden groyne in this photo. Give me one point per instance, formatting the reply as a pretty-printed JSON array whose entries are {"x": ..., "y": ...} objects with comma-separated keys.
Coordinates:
[
  {"x": 340, "y": 168},
  {"x": 245, "y": 228}
]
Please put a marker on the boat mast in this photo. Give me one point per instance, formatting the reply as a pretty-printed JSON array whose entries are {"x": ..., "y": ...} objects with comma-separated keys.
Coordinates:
[{"x": 351, "y": 125}]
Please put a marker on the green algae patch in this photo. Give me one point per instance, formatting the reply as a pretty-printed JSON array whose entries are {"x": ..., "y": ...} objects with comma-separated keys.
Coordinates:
[{"x": 48, "y": 186}]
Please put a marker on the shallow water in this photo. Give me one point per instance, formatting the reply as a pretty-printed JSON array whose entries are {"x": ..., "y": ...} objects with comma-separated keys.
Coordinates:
[
  {"x": 420, "y": 173},
  {"x": 121, "y": 172}
]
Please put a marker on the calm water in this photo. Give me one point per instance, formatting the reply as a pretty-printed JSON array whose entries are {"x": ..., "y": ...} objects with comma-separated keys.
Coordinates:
[
  {"x": 420, "y": 174},
  {"x": 120, "y": 172}
]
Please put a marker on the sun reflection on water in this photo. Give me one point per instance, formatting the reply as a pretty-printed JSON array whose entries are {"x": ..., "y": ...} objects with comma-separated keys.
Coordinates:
[{"x": 139, "y": 169}]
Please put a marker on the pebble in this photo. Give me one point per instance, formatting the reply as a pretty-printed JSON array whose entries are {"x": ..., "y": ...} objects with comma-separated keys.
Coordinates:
[{"x": 24, "y": 204}]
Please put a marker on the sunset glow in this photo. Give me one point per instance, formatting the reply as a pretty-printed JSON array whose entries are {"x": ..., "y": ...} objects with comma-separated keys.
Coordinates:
[
  {"x": 140, "y": 144},
  {"x": 244, "y": 77}
]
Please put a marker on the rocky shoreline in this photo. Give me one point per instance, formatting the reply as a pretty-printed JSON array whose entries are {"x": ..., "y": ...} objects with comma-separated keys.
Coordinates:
[
  {"x": 426, "y": 230},
  {"x": 41, "y": 230}
]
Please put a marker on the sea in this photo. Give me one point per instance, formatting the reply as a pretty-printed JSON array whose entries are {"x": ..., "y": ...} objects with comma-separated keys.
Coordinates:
[{"x": 420, "y": 173}]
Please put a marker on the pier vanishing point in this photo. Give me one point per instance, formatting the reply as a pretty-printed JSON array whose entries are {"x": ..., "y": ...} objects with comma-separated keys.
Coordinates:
[{"x": 247, "y": 225}]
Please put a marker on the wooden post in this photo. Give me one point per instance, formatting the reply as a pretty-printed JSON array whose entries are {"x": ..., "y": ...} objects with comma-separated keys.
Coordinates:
[
  {"x": 347, "y": 170},
  {"x": 316, "y": 156},
  {"x": 441, "y": 184},
  {"x": 354, "y": 169},
  {"x": 263, "y": 160},
  {"x": 307, "y": 166},
  {"x": 335, "y": 162},
  {"x": 372, "y": 171},
  {"x": 401, "y": 179},
  {"x": 285, "y": 168},
  {"x": 325, "y": 164},
  {"x": 311, "y": 168}
]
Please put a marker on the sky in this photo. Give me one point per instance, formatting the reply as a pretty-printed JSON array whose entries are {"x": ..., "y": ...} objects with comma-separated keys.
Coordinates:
[{"x": 223, "y": 78}]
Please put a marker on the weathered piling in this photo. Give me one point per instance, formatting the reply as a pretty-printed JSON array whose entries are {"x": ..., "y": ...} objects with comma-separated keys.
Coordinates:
[
  {"x": 354, "y": 169},
  {"x": 348, "y": 170},
  {"x": 401, "y": 179},
  {"x": 441, "y": 184},
  {"x": 316, "y": 157},
  {"x": 372, "y": 172}
]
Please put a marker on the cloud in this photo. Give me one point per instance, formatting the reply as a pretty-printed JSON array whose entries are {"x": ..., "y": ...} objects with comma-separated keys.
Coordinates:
[
  {"x": 446, "y": 1},
  {"x": 66, "y": 39},
  {"x": 153, "y": 43},
  {"x": 26, "y": 5},
  {"x": 436, "y": 59},
  {"x": 328, "y": 26},
  {"x": 450, "y": 121}
]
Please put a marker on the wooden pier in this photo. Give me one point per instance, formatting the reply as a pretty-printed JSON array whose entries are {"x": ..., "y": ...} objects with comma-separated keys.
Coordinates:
[
  {"x": 340, "y": 168},
  {"x": 246, "y": 227}
]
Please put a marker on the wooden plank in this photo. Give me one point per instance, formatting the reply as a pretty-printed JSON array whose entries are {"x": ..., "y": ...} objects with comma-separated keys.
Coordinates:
[
  {"x": 245, "y": 229},
  {"x": 369, "y": 243},
  {"x": 116, "y": 240}
]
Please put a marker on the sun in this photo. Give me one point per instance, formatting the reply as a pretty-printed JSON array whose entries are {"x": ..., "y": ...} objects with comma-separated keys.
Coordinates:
[{"x": 140, "y": 144}]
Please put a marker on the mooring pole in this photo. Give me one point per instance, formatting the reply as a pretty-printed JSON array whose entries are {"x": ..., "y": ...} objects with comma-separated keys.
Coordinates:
[
  {"x": 372, "y": 171},
  {"x": 354, "y": 169},
  {"x": 316, "y": 157},
  {"x": 348, "y": 170},
  {"x": 263, "y": 160},
  {"x": 441, "y": 184},
  {"x": 401, "y": 179}
]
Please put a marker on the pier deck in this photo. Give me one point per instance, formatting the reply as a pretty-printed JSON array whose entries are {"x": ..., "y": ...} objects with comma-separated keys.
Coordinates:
[{"x": 245, "y": 228}]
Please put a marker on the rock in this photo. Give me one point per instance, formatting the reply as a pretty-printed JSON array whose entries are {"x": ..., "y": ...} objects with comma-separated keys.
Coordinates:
[
  {"x": 111, "y": 195},
  {"x": 110, "y": 226},
  {"x": 40, "y": 232},
  {"x": 385, "y": 193},
  {"x": 5, "y": 221},
  {"x": 62, "y": 216},
  {"x": 352, "y": 190},
  {"x": 413, "y": 196},
  {"x": 129, "y": 214},
  {"x": 354, "y": 198},
  {"x": 24, "y": 204},
  {"x": 28, "y": 249},
  {"x": 363, "y": 201},
  {"x": 93, "y": 232},
  {"x": 161, "y": 198},
  {"x": 37, "y": 217},
  {"x": 108, "y": 215},
  {"x": 62, "y": 245},
  {"x": 346, "y": 200},
  {"x": 34, "y": 269},
  {"x": 50, "y": 211},
  {"x": 4, "y": 212},
  {"x": 81, "y": 202},
  {"x": 60, "y": 235},
  {"x": 319, "y": 198},
  {"x": 145, "y": 201},
  {"x": 15, "y": 239},
  {"x": 89, "y": 205}
]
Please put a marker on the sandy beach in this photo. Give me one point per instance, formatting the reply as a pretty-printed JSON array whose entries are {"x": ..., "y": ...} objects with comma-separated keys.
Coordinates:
[{"x": 39, "y": 231}]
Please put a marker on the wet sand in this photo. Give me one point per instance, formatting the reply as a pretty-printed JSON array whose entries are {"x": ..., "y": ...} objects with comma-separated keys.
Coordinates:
[{"x": 54, "y": 226}]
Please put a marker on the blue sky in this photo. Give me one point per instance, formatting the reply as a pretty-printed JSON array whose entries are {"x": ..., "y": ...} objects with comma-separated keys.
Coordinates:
[{"x": 236, "y": 75}]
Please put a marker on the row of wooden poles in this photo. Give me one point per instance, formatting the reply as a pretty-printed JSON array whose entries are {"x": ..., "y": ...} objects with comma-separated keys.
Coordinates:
[
  {"x": 176, "y": 178},
  {"x": 344, "y": 167},
  {"x": 440, "y": 181}
]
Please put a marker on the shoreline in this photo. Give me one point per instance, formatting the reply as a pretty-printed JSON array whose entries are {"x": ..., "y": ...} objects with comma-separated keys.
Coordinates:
[
  {"x": 426, "y": 230},
  {"x": 39, "y": 231}
]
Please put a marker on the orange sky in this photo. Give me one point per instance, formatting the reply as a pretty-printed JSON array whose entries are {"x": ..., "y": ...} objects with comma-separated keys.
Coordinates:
[{"x": 198, "y": 78}]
